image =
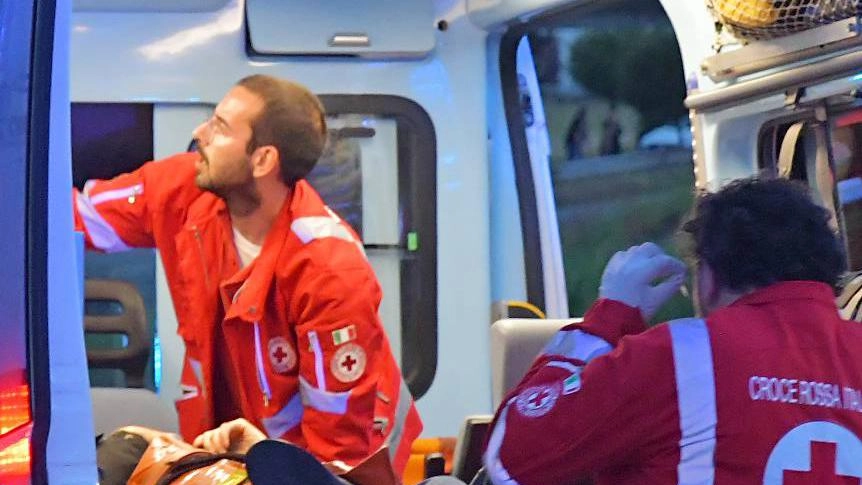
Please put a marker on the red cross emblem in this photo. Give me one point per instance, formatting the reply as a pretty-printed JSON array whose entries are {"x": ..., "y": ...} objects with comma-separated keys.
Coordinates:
[
  {"x": 281, "y": 355},
  {"x": 816, "y": 452},
  {"x": 537, "y": 401},
  {"x": 348, "y": 363},
  {"x": 822, "y": 468}
]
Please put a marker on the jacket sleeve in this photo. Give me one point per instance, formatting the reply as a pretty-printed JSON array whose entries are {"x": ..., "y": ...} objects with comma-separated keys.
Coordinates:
[
  {"x": 345, "y": 360},
  {"x": 119, "y": 214},
  {"x": 592, "y": 400}
]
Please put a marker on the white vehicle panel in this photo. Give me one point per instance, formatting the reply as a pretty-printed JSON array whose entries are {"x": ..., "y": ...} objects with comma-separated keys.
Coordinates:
[{"x": 71, "y": 454}]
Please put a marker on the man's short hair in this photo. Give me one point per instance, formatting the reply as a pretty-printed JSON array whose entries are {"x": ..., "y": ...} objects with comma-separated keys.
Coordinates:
[
  {"x": 755, "y": 232},
  {"x": 293, "y": 120}
]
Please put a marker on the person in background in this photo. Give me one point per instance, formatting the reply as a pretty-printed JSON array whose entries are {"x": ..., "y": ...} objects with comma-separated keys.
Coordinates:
[
  {"x": 765, "y": 387},
  {"x": 576, "y": 135},
  {"x": 276, "y": 301}
]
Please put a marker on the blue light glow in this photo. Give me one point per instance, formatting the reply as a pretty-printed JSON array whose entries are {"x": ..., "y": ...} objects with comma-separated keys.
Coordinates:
[{"x": 157, "y": 363}]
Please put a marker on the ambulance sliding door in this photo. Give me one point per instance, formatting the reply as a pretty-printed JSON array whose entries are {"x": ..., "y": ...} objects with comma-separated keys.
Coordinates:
[{"x": 601, "y": 143}]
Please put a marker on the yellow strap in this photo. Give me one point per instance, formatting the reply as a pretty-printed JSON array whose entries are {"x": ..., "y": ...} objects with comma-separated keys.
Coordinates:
[{"x": 527, "y": 306}]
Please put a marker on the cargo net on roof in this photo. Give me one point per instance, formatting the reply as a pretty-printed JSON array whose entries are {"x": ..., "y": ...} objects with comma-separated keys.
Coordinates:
[{"x": 767, "y": 19}]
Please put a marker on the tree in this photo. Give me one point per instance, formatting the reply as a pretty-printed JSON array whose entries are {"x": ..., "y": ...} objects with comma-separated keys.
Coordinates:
[{"x": 638, "y": 67}]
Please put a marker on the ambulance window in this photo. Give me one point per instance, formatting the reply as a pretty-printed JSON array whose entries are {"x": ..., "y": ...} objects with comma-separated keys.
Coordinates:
[
  {"x": 610, "y": 92},
  {"x": 379, "y": 174},
  {"x": 109, "y": 139},
  {"x": 790, "y": 148},
  {"x": 847, "y": 155}
]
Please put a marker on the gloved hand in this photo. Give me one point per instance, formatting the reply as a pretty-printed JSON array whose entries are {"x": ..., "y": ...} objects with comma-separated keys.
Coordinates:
[{"x": 643, "y": 277}]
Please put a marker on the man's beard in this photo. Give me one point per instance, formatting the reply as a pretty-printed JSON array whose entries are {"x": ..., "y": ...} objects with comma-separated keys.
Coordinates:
[{"x": 241, "y": 196}]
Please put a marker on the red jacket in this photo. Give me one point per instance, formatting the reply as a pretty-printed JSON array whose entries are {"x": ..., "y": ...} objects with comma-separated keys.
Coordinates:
[
  {"x": 311, "y": 361},
  {"x": 767, "y": 390}
]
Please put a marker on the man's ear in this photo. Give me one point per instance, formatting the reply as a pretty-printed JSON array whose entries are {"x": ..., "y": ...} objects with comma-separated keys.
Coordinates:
[
  {"x": 265, "y": 161},
  {"x": 707, "y": 287}
]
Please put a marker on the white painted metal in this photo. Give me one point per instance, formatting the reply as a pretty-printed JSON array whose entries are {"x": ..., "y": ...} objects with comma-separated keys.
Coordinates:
[
  {"x": 71, "y": 455},
  {"x": 147, "y": 5},
  {"x": 694, "y": 27},
  {"x": 370, "y": 28},
  {"x": 760, "y": 55},
  {"x": 507, "y": 246},
  {"x": 539, "y": 147},
  {"x": 492, "y": 14}
]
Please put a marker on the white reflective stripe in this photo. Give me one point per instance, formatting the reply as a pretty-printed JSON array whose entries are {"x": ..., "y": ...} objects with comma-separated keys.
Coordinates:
[
  {"x": 262, "y": 381},
  {"x": 563, "y": 365},
  {"x": 695, "y": 389},
  {"x": 318, "y": 227},
  {"x": 318, "y": 360},
  {"x": 343, "y": 467},
  {"x": 402, "y": 410},
  {"x": 493, "y": 465},
  {"x": 198, "y": 371},
  {"x": 286, "y": 419},
  {"x": 577, "y": 344},
  {"x": 88, "y": 185},
  {"x": 322, "y": 400},
  {"x": 103, "y": 236},
  {"x": 115, "y": 194}
]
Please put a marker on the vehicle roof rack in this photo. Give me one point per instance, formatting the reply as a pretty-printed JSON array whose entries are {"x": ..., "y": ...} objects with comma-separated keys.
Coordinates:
[{"x": 760, "y": 55}]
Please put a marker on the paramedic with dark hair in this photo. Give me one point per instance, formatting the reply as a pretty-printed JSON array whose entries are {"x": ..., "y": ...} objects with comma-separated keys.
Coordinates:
[
  {"x": 275, "y": 299},
  {"x": 765, "y": 388}
]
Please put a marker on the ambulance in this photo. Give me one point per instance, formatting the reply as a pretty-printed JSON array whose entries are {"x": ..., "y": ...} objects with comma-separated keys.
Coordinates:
[{"x": 492, "y": 154}]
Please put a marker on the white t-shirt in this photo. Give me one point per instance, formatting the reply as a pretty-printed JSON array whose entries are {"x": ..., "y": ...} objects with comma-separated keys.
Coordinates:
[{"x": 247, "y": 250}]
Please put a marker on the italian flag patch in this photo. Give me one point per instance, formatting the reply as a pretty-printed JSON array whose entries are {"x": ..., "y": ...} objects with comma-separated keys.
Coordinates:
[
  {"x": 572, "y": 383},
  {"x": 344, "y": 335}
]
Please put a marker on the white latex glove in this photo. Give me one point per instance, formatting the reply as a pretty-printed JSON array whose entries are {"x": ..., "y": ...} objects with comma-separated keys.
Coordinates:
[
  {"x": 235, "y": 436},
  {"x": 644, "y": 277}
]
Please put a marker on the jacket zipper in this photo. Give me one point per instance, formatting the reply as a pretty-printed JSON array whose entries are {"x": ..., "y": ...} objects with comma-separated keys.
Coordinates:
[
  {"x": 201, "y": 253},
  {"x": 262, "y": 381}
]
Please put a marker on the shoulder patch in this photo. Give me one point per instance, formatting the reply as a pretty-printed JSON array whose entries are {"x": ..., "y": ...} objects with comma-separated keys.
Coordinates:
[
  {"x": 572, "y": 384},
  {"x": 281, "y": 355},
  {"x": 348, "y": 363},
  {"x": 344, "y": 335},
  {"x": 537, "y": 401}
]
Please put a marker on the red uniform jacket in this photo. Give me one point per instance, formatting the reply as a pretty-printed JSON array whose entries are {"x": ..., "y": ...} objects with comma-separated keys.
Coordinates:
[
  {"x": 767, "y": 390},
  {"x": 310, "y": 358}
]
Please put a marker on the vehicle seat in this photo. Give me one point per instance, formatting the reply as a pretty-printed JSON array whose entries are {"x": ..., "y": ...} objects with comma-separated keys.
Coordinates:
[
  {"x": 130, "y": 322},
  {"x": 515, "y": 343},
  {"x": 114, "y": 407}
]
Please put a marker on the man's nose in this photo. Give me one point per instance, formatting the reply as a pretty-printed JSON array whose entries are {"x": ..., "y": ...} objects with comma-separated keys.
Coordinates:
[{"x": 199, "y": 134}]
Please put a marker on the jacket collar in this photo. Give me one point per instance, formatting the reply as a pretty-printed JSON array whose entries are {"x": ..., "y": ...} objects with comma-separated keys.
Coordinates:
[
  {"x": 256, "y": 279},
  {"x": 789, "y": 290}
]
